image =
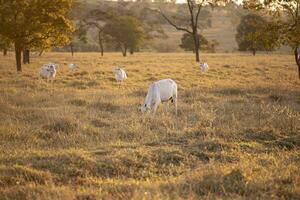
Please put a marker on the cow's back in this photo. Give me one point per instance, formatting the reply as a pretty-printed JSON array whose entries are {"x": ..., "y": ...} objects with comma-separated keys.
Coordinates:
[{"x": 167, "y": 88}]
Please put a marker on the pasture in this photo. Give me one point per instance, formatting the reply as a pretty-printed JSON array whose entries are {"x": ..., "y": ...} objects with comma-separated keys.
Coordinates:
[{"x": 236, "y": 136}]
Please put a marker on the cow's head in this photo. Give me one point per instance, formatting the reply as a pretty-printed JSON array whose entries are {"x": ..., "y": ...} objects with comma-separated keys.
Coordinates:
[
  {"x": 143, "y": 108},
  {"x": 203, "y": 67},
  {"x": 52, "y": 68},
  {"x": 115, "y": 69}
]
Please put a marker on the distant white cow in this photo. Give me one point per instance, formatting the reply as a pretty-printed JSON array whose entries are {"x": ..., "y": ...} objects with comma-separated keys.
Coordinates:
[
  {"x": 72, "y": 67},
  {"x": 160, "y": 91},
  {"x": 204, "y": 67},
  {"x": 120, "y": 74},
  {"x": 48, "y": 71}
]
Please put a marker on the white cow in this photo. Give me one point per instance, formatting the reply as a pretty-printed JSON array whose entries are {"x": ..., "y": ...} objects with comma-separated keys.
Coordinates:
[
  {"x": 48, "y": 71},
  {"x": 120, "y": 74},
  {"x": 160, "y": 91},
  {"x": 204, "y": 67},
  {"x": 72, "y": 67}
]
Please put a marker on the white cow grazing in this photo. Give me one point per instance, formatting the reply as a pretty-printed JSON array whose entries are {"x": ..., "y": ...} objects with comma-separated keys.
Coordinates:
[
  {"x": 204, "y": 67},
  {"x": 72, "y": 67},
  {"x": 120, "y": 74},
  {"x": 48, "y": 71},
  {"x": 160, "y": 91}
]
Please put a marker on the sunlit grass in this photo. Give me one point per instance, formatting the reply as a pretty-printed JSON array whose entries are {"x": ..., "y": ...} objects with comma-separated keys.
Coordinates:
[{"x": 237, "y": 133}]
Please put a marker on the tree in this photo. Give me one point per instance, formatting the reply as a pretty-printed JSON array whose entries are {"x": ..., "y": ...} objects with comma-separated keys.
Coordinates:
[
  {"x": 252, "y": 34},
  {"x": 4, "y": 45},
  {"x": 97, "y": 19},
  {"x": 79, "y": 35},
  {"x": 212, "y": 46},
  {"x": 127, "y": 32},
  {"x": 187, "y": 42},
  {"x": 194, "y": 7},
  {"x": 35, "y": 23},
  {"x": 101, "y": 35},
  {"x": 286, "y": 21}
]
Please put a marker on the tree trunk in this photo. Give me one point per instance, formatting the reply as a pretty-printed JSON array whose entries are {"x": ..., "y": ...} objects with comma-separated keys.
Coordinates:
[
  {"x": 196, "y": 43},
  {"x": 253, "y": 52},
  {"x": 101, "y": 47},
  {"x": 41, "y": 52},
  {"x": 124, "y": 52},
  {"x": 4, "y": 52},
  {"x": 102, "y": 51},
  {"x": 72, "y": 49},
  {"x": 297, "y": 59},
  {"x": 131, "y": 51},
  {"x": 18, "y": 52},
  {"x": 101, "y": 43},
  {"x": 26, "y": 56}
]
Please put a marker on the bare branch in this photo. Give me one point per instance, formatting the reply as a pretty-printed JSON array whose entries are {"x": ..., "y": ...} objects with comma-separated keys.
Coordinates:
[
  {"x": 191, "y": 9},
  {"x": 198, "y": 12},
  {"x": 173, "y": 24}
]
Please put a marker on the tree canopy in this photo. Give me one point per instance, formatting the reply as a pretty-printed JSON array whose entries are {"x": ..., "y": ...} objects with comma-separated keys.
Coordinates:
[
  {"x": 286, "y": 21},
  {"x": 187, "y": 42},
  {"x": 79, "y": 35},
  {"x": 254, "y": 35},
  {"x": 4, "y": 44},
  {"x": 127, "y": 32},
  {"x": 196, "y": 10},
  {"x": 35, "y": 24}
]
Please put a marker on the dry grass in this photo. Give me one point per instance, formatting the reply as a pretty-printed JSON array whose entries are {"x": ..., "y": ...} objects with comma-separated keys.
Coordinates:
[{"x": 237, "y": 134}]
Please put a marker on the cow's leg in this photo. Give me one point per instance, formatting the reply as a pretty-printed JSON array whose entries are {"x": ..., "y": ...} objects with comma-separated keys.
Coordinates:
[
  {"x": 166, "y": 107},
  {"x": 175, "y": 103},
  {"x": 154, "y": 107}
]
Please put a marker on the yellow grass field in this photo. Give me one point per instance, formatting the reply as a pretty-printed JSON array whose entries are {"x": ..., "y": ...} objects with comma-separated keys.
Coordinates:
[{"x": 236, "y": 136}]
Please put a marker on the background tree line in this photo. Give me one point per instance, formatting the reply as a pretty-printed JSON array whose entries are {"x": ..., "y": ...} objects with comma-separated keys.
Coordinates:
[{"x": 41, "y": 25}]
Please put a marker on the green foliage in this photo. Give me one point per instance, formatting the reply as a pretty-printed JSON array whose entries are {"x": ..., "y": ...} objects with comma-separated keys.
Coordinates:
[
  {"x": 80, "y": 33},
  {"x": 187, "y": 43},
  {"x": 286, "y": 20},
  {"x": 253, "y": 34},
  {"x": 126, "y": 31},
  {"x": 79, "y": 36}
]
